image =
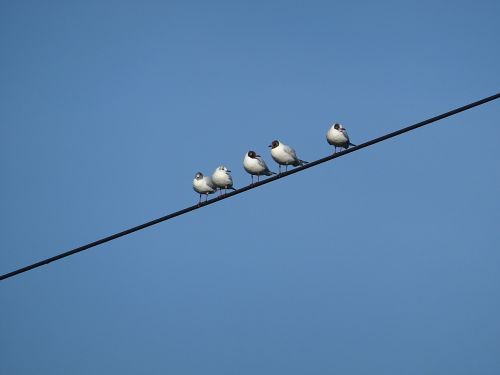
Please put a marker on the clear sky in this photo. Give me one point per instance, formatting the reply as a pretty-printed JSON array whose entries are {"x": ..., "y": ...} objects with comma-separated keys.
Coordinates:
[{"x": 385, "y": 261}]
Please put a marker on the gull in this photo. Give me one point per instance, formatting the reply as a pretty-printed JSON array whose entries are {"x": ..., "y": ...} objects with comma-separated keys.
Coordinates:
[
  {"x": 222, "y": 178},
  {"x": 337, "y": 136},
  {"x": 203, "y": 185},
  {"x": 255, "y": 165},
  {"x": 284, "y": 155}
]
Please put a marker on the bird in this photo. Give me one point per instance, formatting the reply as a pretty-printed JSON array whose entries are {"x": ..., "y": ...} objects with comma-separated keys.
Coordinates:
[
  {"x": 284, "y": 155},
  {"x": 203, "y": 185},
  {"x": 222, "y": 178},
  {"x": 337, "y": 136},
  {"x": 255, "y": 165}
]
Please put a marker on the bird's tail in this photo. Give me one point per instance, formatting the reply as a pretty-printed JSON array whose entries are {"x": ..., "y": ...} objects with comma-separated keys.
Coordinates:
[
  {"x": 231, "y": 188},
  {"x": 352, "y": 144},
  {"x": 269, "y": 173},
  {"x": 303, "y": 162}
]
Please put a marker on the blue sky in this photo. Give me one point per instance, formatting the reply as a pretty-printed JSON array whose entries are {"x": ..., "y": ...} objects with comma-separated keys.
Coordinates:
[{"x": 383, "y": 261}]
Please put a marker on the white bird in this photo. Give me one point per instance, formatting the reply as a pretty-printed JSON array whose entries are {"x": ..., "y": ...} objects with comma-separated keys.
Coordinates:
[
  {"x": 337, "y": 136},
  {"x": 203, "y": 185},
  {"x": 284, "y": 155},
  {"x": 255, "y": 165},
  {"x": 222, "y": 178}
]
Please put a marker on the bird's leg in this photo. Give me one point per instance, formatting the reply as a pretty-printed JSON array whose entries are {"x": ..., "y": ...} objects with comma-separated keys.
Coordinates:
[
  {"x": 199, "y": 200},
  {"x": 252, "y": 178},
  {"x": 279, "y": 168},
  {"x": 286, "y": 168}
]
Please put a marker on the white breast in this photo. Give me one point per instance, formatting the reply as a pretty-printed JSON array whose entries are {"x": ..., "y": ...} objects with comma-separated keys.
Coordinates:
[
  {"x": 222, "y": 179},
  {"x": 204, "y": 186},
  {"x": 253, "y": 166},
  {"x": 280, "y": 156},
  {"x": 336, "y": 137}
]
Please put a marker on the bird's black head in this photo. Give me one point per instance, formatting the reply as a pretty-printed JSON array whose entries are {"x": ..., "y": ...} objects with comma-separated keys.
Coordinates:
[
  {"x": 336, "y": 126},
  {"x": 274, "y": 144},
  {"x": 198, "y": 176},
  {"x": 252, "y": 154}
]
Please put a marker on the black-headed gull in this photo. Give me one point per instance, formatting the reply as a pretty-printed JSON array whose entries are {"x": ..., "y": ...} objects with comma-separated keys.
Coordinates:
[
  {"x": 255, "y": 165},
  {"x": 284, "y": 155},
  {"x": 203, "y": 185},
  {"x": 337, "y": 136},
  {"x": 222, "y": 178}
]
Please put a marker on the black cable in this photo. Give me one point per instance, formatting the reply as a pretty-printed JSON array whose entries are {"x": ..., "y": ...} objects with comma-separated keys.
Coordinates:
[{"x": 249, "y": 187}]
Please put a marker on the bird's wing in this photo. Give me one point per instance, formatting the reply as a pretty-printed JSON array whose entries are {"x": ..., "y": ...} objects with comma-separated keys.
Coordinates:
[
  {"x": 290, "y": 151},
  {"x": 345, "y": 134},
  {"x": 262, "y": 163},
  {"x": 210, "y": 183}
]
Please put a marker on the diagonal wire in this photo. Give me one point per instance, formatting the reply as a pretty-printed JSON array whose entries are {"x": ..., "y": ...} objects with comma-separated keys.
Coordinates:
[{"x": 249, "y": 187}]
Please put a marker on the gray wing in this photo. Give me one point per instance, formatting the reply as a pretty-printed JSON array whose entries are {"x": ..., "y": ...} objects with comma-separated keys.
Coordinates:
[
  {"x": 262, "y": 163},
  {"x": 210, "y": 182},
  {"x": 345, "y": 134},
  {"x": 290, "y": 151}
]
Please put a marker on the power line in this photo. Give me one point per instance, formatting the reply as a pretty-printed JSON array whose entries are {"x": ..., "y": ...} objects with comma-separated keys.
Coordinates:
[{"x": 249, "y": 187}]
